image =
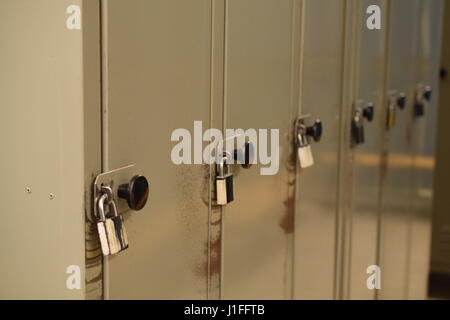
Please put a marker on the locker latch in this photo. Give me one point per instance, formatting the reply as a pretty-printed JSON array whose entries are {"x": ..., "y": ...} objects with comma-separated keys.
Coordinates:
[
  {"x": 304, "y": 134},
  {"x": 224, "y": 177},
  {"x": 129, "y": 189},
  {"x": 395, "y": 100},
  {"x": 422, "y": 97},
  {"x": 361, "y": 111},
  {"x": 115, "y": 192}
]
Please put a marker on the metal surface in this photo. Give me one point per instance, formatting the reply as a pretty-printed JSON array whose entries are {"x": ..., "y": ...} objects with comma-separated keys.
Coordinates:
[
  {"x": 157, "y": 69},
  {"x": 424, "y": 142},
  {"x": 41, "y": 131},
  {"x": 113, "y": 179},
  {"x": 362, "y": 176},
  {"x": 92, "y": 144},
  {"x": 316, "y": 198},
  {"x": 397, "y": 177},
  {"x": 259, "y": 91}
]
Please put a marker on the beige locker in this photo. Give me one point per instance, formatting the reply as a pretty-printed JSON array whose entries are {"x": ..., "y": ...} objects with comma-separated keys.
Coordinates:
[
  {"x": 156, "y": 78},
  {"x": 424, "y": 133},
  {"x": 316, "y": 205},
  {"x": 261, "y": 55},
  {"x": 361, "y": 170},
  {"x": 396, "y": 192},
  {"x": 46, "y": 90}
]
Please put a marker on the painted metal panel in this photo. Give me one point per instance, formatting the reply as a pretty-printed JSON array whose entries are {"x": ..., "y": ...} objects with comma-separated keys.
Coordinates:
[
  {"x": 42, "y": 136},
  {"x": 364, "y": 173},
  {"x": 157, "y": 67},
  {"x": 397, "y": 177},
  {"x": 316, "y": 203},
  {"x": 424, "y": 140},
  {"x": 260, "y": 61}
]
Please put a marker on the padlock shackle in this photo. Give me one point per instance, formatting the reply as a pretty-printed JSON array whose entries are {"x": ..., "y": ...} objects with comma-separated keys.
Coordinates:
[
  {"x": 101, "y": 207},
  {"x": 114, "y": 207},
  {"x": 222, "y": 164}
]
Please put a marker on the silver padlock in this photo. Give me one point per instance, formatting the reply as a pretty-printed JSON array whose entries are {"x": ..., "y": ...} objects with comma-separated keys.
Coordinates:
[
  {"x": 358, "y": 127},
  {"x": 103, "y": 225},
  {"x": 423, "y": 96},
  {"x": 304, "y": 134},
  {"x": 396, "y": 100},
  {"x": 305, "y": 156},
  {"x": 110, "y": 236},
  {"x": 224, "y": 183}
]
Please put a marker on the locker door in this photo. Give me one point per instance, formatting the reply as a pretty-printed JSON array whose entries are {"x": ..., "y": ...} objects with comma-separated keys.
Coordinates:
[
  {"x": 157, "y": 76},
  {"x": 260, "y": 94},
  {"x": 363, "y": 173},
  {"x": 424, "y": 131},
  {"x": 397, "y": 177},
  {"x": 317, "y": 198}
]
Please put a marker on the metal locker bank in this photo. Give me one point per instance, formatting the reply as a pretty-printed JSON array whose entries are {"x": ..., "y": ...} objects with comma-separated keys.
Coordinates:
[{"x": 220, "y": 149}]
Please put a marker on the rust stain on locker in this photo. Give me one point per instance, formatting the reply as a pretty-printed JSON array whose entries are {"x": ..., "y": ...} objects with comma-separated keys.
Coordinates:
[{"x": 287, "y": 221}]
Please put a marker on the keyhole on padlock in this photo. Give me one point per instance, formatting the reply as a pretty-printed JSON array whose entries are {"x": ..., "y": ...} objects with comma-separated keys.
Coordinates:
[{"x": 135, "y": 192}]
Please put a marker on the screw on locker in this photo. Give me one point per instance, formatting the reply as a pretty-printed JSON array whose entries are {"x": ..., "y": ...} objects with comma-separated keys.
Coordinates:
[
  {"x": 303, "y": 134},
  {"x": 224, "y": 182}
]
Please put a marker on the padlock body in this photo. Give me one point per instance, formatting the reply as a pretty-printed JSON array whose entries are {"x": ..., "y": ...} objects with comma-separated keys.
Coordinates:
[
  {"x": 114, "y": 245},
  {"x": 391, "y": 117},
  {"x": 305, "y": 156},
  {"x": 358, "y": 132},
  {"x": 103, "y": 237},
  {"x": 229, "y": 188},
  {"x": 121, "y": 234},
  {"x": 419, "y": 109},
  {"x": 221, "y": 191}
]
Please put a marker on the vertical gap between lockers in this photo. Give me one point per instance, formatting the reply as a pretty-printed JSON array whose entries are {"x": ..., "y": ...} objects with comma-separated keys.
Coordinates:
[
  {"x": 297, "y": 41},
  {"x": 104, "y": 118},
  {"x": 224, "y": 125}
]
